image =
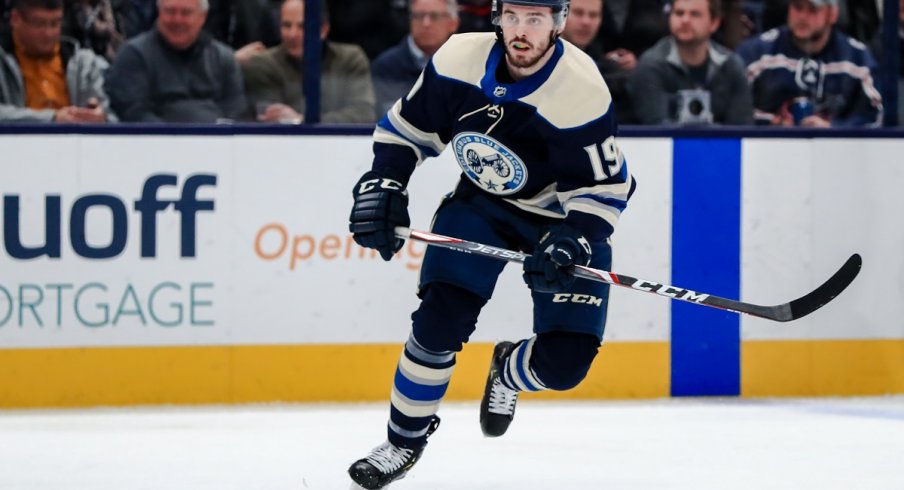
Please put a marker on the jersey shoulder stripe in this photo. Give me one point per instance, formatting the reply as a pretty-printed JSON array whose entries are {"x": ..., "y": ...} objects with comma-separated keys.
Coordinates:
[
  {"x": 463, "y": 57},
  {"x": 574, "y": 94}
]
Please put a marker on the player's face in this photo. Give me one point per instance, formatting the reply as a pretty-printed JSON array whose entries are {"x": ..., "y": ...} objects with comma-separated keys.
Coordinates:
[
  {"x": 809, "y": 23},
  {"x": 584, "y": 19},
  {"x": 691, "y": 23},
  {"x": 431, "y": 24},
  {"x": 527, "y": 32},
  {"x": 180, "y": 22}
]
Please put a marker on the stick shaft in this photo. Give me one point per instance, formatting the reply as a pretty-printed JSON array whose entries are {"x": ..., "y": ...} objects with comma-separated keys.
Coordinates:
[{"x": 783, "y": 312}]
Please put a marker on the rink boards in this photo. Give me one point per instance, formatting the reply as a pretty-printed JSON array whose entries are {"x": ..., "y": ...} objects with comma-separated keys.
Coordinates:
[{"x": 218, "y": 269}]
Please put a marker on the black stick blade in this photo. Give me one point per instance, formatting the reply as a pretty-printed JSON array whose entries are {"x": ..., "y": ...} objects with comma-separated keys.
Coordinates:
[{"x": 815, "y": 300}]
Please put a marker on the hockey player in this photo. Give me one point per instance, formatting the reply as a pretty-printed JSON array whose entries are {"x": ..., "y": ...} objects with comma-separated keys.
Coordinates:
[{"x": 530, "y": 121}]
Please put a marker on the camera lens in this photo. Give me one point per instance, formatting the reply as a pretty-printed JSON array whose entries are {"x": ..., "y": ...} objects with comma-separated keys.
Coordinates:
[{"x": 695, "y": 106}]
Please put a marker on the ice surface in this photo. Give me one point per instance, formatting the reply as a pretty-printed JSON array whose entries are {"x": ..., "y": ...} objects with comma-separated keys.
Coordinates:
[{"x": 694, "y": 444}]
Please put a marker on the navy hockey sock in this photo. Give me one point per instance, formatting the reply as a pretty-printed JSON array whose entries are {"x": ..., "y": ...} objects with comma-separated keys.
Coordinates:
[{"x": 561, "y": 360}]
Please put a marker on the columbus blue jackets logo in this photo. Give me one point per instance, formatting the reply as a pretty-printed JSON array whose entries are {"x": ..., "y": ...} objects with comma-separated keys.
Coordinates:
[
  {"x": 810, "y": 76},
  {"x": 489, "y": 164}
]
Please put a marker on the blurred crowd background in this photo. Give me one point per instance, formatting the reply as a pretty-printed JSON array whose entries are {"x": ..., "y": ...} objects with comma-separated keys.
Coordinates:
[{"x": 814, "y": 63}]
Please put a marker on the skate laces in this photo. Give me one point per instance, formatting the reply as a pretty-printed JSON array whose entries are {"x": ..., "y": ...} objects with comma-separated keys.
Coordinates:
[
  {"x": 387, "y": 457},
  {"x": 502, "y": 399}
]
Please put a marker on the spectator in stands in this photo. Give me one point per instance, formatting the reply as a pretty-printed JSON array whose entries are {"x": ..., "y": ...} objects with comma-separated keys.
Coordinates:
[
  {"x": 808, "y": 73},
  {"x": 860, "y": 19},
  {"x": 687, "y": 78},
  {"x": 96, "y": 25},
  {"x": 736, "y": 25},
  {"x": 175, "y": 72},
  {"x": 137, "y": 16},
  {"x": 633, "y": 26},
  {"x": 273, "y": 80},
  {"x": 394, "y": 72},
  {"x": 44, "y": 77},
  {"x": 856, "y": 18},
  {"x": 248, "y": 26},
  {"x": 581, "y": 28},
  {"x": 375, "y": 25},
  {"x": 474, "y": 15}
]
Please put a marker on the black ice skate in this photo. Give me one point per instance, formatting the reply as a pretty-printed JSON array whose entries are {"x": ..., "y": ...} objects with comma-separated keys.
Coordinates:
[
  {"x": 387, "y": 463},
  {"x": 497, "y": 409}
]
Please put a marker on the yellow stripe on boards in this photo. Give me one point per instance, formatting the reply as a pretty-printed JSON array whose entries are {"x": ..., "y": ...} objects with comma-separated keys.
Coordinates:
[
  {"x": 80, "y": 377},
  {"x": 822, "y": 367}
]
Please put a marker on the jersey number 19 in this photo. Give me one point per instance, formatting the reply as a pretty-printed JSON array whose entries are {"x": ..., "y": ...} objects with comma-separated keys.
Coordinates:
[{"x": 606, "y": 151}]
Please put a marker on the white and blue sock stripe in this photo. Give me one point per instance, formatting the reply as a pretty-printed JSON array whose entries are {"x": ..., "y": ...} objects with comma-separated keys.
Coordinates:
[
  {"x": 421, "y": 380},
  {"x": 417, "y": 390},
  {"x": 517, "y": 373}
]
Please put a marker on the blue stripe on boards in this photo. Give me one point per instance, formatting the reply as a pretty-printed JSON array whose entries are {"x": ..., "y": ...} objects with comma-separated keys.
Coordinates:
[{"x": 706, "y": 249}]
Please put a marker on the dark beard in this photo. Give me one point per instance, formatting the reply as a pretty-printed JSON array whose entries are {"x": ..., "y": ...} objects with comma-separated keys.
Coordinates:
[
  {"x": 805, "y": 43},
  {"x": 509, "y": 54}
]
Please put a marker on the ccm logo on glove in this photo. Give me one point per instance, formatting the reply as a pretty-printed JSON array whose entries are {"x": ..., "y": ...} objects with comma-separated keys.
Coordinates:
[
  {"x": 384, "y": 183},
  {"x": 381, "y": 205}
]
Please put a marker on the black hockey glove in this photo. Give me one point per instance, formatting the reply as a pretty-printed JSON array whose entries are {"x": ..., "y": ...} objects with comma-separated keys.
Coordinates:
[
  {"x": 381, "y": 204},
  {"x": 548, "y": 270}
]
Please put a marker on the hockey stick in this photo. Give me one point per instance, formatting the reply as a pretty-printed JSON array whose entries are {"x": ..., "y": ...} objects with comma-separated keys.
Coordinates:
[{"x": 784, "y": 312}]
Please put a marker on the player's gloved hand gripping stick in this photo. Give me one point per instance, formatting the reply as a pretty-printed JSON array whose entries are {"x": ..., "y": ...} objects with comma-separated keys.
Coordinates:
[
  {"x": 381, "y": 205},
  {"x": 781, "y": 313},
  {"x": 549, "y": 271}
]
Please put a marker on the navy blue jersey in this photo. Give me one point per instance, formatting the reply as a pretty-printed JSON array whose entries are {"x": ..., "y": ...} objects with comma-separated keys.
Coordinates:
[
  {"x": 545, "y": 144},
  {"x": 840, "y": 80}
]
